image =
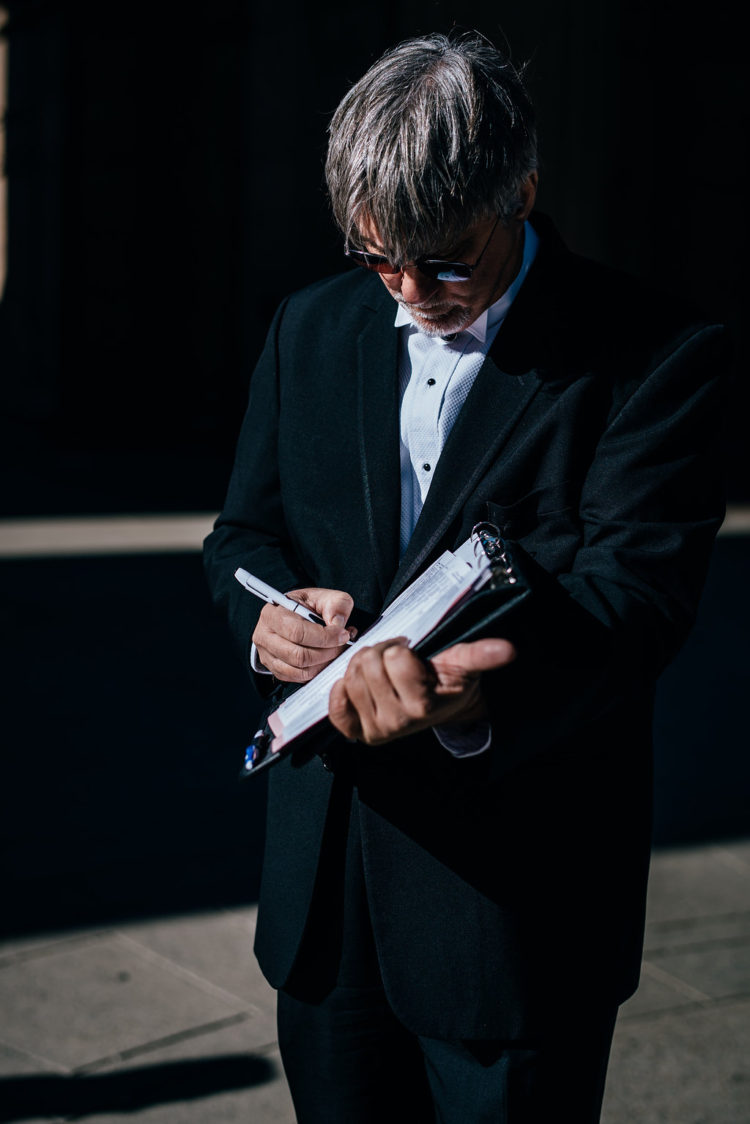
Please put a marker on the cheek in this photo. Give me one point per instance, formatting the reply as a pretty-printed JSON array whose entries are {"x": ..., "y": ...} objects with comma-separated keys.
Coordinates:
[
  {"x": 464, "y": 295},
  {"x": 480, "y": 297},
  {"x": 392, "y": 282}
]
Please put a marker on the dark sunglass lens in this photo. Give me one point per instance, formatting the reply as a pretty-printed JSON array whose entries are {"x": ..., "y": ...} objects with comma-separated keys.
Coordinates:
[
  {"x": 375, "y": 262},
  {"x": 432, "y": 267},
  {"x": 445, "y": 270},
  {"x": 380, "y": 264}
]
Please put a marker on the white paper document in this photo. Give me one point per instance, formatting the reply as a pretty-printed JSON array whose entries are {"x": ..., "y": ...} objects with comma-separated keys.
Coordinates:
[{"x": 413, "y": 614}]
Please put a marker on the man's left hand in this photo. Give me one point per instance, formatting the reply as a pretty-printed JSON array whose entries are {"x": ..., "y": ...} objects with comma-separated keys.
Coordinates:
[{"x": 388, "y": 692}]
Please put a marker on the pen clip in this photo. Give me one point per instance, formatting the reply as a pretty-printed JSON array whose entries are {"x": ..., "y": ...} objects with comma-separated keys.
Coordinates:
[
  {"x": 308, "y": 613},
  {"x": 254, "y": 590}
]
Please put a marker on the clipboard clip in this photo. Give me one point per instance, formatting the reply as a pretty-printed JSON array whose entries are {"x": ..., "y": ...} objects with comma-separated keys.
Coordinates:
[{"x": 486, "y": 537}]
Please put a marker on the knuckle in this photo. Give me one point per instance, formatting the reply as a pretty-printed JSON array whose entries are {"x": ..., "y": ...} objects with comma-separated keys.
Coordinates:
[
  {"x": 281, "y": 671},
  {"x": 371, "y": 659},
  {"x": 404, "y": 720},
  {"x": 292, "y": 674},
  {"x": 417, "y": 706},
  {"x": 295, "y": 629},
  {"x": 296, "y": 656},
  {"x": 377, "y": 737},
  {"x": 399, "y": 660},
  {"x": 356, "y": 664},
  {"x": 259, "y": 634},
  {"x": 413, "y": 708}
]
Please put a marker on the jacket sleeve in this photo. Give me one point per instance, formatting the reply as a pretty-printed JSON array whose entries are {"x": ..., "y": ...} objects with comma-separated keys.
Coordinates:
[
  {"x": 650, "y": 507},
  {"x": 250, "y": 531}
]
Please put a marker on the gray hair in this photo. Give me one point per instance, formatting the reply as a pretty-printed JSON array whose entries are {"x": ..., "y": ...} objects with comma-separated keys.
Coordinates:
[{"x": 436, "y": 136}]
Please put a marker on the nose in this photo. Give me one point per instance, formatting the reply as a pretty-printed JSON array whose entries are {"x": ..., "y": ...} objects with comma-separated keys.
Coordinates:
[{"x": 415, "y": 287}]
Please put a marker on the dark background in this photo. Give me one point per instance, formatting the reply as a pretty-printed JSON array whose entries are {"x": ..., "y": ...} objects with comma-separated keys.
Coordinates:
[{"x": 164, "y": 176}]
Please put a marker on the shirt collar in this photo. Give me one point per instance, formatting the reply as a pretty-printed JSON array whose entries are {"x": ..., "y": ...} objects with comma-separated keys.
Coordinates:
[{"x": 496, "y": 313}]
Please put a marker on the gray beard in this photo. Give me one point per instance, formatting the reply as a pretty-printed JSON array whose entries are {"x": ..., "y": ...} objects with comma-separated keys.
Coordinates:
[{"x": 445, "y": 327}]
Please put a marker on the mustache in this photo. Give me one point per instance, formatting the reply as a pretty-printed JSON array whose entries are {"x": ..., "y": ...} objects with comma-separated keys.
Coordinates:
[{"x": 424, "y": 307}]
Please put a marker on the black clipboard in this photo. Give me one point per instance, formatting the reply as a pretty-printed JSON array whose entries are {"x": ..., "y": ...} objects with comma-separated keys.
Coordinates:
[{"x": 500, "y": 600}]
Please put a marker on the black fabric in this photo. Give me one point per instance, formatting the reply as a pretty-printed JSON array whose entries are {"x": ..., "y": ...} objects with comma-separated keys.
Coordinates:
[
  {"x": 338, "y": 948},
  {"x": 504, "y": 887},
  {"x": 559, "y": 1078},
  {"x": 348, "y": 1058},
  {"x": 349, "y": 1061}
]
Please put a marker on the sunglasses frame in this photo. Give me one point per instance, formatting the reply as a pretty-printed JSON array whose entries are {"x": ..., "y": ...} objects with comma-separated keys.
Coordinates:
[{"x": 431, "y": 267}]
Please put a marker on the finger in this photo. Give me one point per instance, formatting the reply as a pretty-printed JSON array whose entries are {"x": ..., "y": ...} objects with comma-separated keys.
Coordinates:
[
  {"x": 277, "y": 638},
  {"x": 271, "y": 645},
  {"x": 473, "y": 658},
  {"x": 297, "y": 655},
  {"x": 333, "y": 605},
  {"x": 374, "y": 690},
  {"x": 295, "y": 629},
  {"x": 290, "y": 673},
  {"x": 364, "y": 677},
  {"x": 412, "y": 680},
  {"x": 342, "y": 714},
  {"x": 367, "y": 681}
]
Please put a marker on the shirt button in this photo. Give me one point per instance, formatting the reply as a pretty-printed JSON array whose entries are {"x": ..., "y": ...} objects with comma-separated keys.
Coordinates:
[
  {"x": 430, "y": 382},
  {"x": 426, "y": 467}
]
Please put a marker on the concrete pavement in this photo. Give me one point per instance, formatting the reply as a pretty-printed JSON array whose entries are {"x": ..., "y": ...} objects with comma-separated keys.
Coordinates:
[{"x": 169, "y": 1020}]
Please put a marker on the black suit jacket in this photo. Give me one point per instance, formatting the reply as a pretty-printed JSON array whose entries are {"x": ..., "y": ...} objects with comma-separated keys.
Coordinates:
[{"x": 505, "y": 885}]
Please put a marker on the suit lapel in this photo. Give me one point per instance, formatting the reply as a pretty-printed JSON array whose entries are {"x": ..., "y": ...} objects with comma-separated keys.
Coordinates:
[
  {"x": 531, "y": 346},
  {"x": 378, "y": 424},
  {"x": 493, "y": 408}
]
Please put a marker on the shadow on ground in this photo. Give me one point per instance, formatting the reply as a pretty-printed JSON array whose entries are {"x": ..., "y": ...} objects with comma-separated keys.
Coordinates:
[
  {"x": 25, "y": 1098},
  {"x": 127, "y": 714}
]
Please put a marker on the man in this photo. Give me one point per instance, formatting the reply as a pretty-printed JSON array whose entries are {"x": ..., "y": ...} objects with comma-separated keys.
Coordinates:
[{"x": 453, "y": 895}]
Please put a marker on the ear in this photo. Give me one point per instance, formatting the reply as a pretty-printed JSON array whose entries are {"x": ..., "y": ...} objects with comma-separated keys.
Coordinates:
[{"x": 528, "y": 197}]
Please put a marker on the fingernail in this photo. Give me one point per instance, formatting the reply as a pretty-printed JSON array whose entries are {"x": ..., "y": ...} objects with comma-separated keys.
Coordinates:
[
  {"x": 344, "y": 636},
  {"x": 339, "y": 621}
]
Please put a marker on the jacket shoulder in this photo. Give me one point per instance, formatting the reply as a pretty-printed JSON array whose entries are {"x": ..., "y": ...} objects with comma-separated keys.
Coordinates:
[
  {"x": 336, "y": 303},
  {"x": 587, "y": 315}
]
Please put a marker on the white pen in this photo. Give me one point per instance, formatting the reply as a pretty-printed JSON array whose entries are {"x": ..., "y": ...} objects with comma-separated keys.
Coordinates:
[{"x": 274, "y": 597}]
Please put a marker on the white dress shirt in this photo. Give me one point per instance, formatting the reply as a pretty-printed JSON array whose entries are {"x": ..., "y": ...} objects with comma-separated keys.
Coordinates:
[{"x": 435, "y": 377}]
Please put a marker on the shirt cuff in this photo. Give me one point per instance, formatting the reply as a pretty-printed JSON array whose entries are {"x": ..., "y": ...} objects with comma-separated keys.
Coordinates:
[
  {"x": 464, "y": 741},
  {"x": 255, "y": 663}
]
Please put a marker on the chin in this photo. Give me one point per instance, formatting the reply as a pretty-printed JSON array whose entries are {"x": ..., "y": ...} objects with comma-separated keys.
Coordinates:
[{"x": 455, "y": 320}]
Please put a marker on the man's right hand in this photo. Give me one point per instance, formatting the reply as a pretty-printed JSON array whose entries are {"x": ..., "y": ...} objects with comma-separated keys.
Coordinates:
[{"x": 294, "y": 649}]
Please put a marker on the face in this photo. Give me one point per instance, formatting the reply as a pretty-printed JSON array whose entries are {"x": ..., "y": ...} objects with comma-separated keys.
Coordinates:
[{"x": 442, "y": 307}]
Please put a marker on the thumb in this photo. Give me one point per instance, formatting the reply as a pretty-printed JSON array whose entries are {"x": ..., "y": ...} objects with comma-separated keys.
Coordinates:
[
  {"x": 333, "y": 605},
  {"x": 475, "y": 657}
]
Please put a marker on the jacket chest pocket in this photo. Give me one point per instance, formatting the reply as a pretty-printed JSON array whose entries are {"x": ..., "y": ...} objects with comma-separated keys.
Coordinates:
[{"x": 545, "y": 522}]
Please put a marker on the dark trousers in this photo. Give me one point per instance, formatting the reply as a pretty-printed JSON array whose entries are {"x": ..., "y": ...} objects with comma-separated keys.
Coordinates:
[{"x": 349, "y": 1060}]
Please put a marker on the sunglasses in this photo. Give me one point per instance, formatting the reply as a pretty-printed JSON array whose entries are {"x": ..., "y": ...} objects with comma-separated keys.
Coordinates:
[{"x": 435, "y": 268}]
